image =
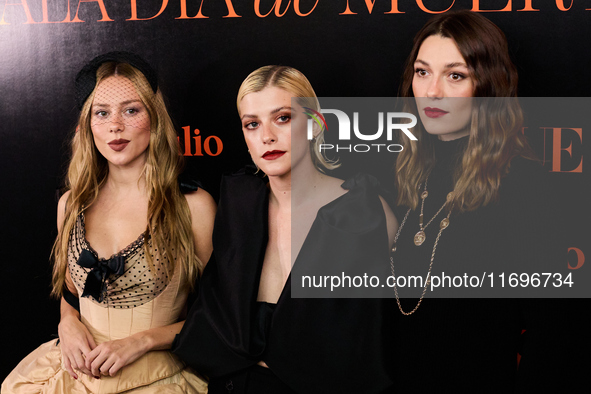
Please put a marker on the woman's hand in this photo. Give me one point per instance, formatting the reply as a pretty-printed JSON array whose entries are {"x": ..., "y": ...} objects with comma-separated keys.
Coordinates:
[
  {"x": 76, "y": 342},
  {"x": 109, "y": 357}
]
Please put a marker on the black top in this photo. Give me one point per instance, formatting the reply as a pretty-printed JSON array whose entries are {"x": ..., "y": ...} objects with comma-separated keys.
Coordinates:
[
  {"x": 501, "y": 236},
  {"x": 471, "y": 345},
  {"x": 313, "y": 345}
]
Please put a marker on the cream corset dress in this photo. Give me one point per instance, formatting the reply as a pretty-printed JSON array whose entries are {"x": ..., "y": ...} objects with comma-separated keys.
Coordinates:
[{"x": 133, "y": 300}]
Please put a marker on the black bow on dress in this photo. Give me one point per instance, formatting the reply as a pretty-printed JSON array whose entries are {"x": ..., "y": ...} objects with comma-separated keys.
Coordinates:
[{"x": 100, "y": 270}]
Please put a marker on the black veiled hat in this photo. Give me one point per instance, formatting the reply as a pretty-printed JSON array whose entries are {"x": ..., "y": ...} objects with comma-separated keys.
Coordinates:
[{"x": 86, "y": 78}]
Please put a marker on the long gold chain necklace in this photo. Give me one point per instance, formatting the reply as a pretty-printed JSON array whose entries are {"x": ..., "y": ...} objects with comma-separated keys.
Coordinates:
[
  {"x": 442, "y": 226},
  {"x": 420, "y": 237}
]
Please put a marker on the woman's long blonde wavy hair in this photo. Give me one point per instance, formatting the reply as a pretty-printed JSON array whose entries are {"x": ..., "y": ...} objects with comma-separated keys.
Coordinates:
[
  {"x": 169, "y": 218},
  {"x": 496, "y": 125},
  {"x": 296, "y": 83}
]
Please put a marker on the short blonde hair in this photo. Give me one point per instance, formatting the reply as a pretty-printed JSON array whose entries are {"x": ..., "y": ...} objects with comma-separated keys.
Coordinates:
[{"x": 296, "y": 83}]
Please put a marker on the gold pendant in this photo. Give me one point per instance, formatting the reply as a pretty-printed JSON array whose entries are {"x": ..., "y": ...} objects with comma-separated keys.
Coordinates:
[
  {"x": 420, "y": 238},
  {"x": 444, "y": 223}
]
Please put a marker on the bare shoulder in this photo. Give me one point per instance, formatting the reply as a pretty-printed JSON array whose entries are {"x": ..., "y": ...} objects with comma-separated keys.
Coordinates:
[
  {"x": 61, "y": 205},
  {"x": 200, "y": 203},
  {"x": 61, "y": 209},
  {"x": 202, "y": 207}
]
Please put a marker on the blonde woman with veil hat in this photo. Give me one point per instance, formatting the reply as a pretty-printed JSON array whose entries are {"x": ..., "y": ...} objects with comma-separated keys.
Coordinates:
[{"x": 130, "y": 244}]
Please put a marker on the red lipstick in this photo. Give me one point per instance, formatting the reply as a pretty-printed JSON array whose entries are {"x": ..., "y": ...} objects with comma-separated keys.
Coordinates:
[
  {"x": 118, "y": 145},
  {"x": 273, "y": 154},
  {"x": 434, "y": 112}
]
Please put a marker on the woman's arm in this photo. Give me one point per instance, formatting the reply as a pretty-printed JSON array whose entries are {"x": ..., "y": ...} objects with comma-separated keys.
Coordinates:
[
  {"x": 109, "y": 357},
  {"x": 76, "y": 342},
  {"x": 202, "y": 209}
]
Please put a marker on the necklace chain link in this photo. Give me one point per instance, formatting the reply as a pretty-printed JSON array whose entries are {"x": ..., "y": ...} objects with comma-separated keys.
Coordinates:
[
  {"x": 443, "y": 225},
  {"x": 420, "y": 236}
]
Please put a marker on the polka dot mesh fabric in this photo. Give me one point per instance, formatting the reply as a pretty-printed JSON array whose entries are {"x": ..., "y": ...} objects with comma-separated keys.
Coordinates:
[{"x": 136, "y": 286}]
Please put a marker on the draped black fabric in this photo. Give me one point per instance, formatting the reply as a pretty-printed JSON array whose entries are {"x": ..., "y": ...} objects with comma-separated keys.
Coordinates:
[{"x": 313, "y": 345}]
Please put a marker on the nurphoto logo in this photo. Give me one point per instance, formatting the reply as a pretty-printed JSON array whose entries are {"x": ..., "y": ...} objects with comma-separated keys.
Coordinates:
[{"x": 392, "y": 121}]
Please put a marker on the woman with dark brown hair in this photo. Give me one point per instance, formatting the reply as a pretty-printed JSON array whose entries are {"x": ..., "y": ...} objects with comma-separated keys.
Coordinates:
[{"x": 470, "y": 202}]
